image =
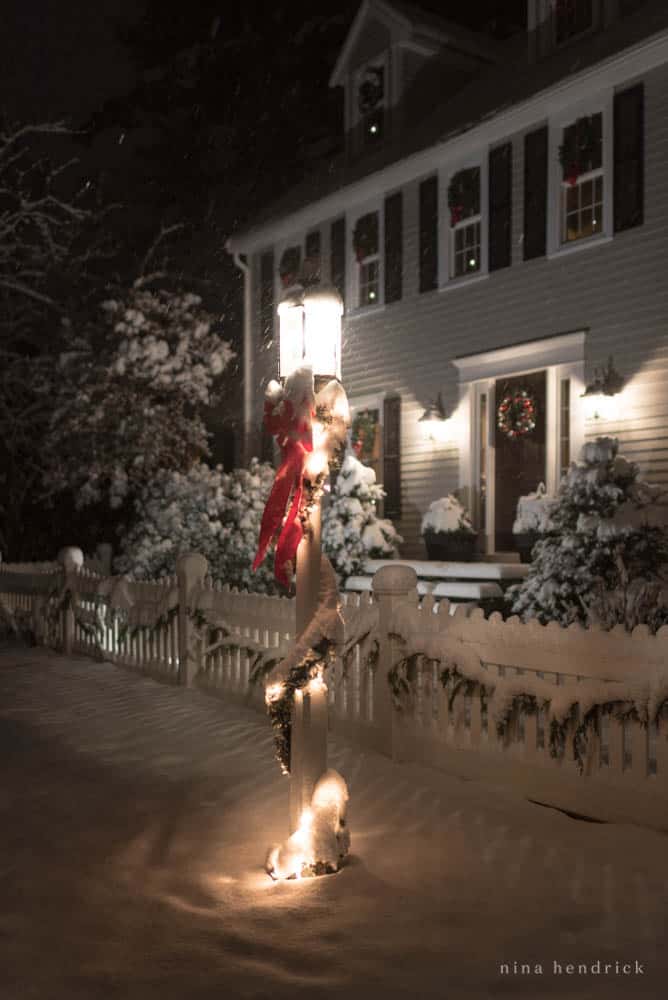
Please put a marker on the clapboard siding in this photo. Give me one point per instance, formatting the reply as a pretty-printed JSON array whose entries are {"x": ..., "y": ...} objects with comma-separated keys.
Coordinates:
[{"x": 617, "y": 290}]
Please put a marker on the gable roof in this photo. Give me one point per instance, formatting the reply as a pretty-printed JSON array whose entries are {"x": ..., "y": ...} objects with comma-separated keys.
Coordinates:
[
  {"x": 412, "y": 20},
  {"x": 493, "y": 93}
]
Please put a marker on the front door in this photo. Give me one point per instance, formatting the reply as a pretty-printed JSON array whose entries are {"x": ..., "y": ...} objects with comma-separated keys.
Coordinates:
[{"x": 520, "y": 458}]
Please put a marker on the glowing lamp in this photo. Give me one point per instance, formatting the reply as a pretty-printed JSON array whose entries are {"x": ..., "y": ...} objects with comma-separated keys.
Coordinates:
[
  {"x": 434, "y": 423},
  {"x": 291, "y": 336},
  {"x": 602, "y": 396},
  {"x": 310, "y": 331}
]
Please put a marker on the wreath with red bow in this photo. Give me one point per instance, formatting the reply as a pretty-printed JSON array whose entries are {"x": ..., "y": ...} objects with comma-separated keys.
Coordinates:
[{"x": 516, "y": 415}]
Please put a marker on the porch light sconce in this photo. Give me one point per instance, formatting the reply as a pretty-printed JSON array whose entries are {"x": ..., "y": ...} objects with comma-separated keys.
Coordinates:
[
  {"x": 602, "y": 396},
  {"x": 435, "y": 425},
  {"x": 310, "y": 331}
]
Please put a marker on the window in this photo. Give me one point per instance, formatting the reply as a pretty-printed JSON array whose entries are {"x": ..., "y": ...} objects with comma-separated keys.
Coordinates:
[
  {"x": 366, "y": 439},
  {"x": 464, "y": 205},
  {"x": 371, "y": 103},
  {"x": 571, "y": 18},
  {"x": 581, "y": 158},
  {"x": 290, "y": 265},
  {"x": 366, "y": 244}
]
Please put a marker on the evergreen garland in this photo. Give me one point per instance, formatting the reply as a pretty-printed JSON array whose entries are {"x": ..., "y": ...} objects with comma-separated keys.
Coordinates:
[{"x": 464, "y": 194}]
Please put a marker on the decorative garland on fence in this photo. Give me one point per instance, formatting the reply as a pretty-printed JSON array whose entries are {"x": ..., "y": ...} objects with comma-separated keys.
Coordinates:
[
  {"x": 516, "y": 415},
  {"x": 401, "y": 679}
]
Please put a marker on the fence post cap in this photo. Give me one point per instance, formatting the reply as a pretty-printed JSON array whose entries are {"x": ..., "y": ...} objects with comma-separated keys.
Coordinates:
[
  {"x": 193, "y": 565},
  {"x": 399, "y": 579},
  {"x": 71, "y": 558}
]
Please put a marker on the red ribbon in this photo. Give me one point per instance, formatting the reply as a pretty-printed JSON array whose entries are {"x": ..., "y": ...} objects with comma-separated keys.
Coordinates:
[{"x": 294, "y": 439}]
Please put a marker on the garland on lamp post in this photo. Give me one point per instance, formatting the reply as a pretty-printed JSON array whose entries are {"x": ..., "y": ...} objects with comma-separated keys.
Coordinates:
[{"x": 516, "y": 415}]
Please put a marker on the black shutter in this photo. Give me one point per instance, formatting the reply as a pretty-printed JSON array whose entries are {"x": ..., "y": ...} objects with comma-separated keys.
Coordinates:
[
  {"x": 500, "y": 206},
  {"x": 429, "y": 234},
  {"x": 267, "y": 296},
  {"x": 629, "y": 146},
  {"x": 337, "y": 256},
  {"x": 392, "y": 456},
  {"x": 393, "y": 247},
  {"x": 535, "y": 193}
]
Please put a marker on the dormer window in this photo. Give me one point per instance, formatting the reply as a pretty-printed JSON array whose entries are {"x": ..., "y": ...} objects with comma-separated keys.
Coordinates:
[
  {"x": 571, "y": 18},
  {"x": 371, "y": 102}
]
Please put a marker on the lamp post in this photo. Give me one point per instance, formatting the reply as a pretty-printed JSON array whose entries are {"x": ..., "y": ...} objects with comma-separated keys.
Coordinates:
[{"x": 309, "y": 336}]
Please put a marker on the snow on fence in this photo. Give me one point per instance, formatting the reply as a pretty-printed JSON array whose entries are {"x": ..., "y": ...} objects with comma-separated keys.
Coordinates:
[{"x": 190, "y": 630}]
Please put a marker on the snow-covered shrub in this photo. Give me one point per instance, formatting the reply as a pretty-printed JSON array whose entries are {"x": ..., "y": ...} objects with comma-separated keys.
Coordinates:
[
  {"x": 352, "y": 532},
  {"x": 533, "y": 511},
  {"x": 604, "y": 558},
  {"x": 130, "y": 394},
  {"x": 204, "y": 510},
  {"x": 447, "y": 515}
]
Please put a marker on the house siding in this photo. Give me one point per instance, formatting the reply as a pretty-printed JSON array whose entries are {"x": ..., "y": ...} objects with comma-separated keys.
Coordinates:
[{"x": 617, "y": 291}]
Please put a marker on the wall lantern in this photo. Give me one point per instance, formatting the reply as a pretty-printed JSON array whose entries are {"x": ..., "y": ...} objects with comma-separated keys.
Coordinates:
[
  {"x": 310, "y": 331},
  {"x": 434, "y": 423},
  {"x": 602, "y": 396}
]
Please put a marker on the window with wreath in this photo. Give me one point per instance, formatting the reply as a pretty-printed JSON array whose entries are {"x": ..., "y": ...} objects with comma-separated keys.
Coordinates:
[
  {"x": 366, "y": 439},
  {"x": 464, "y": 205},
  {"x": 582, "y": 182},
  {"x": 371, "y": 103},
  {"x": 571, "y": 18},
  {"x": 366, "y": 243}
]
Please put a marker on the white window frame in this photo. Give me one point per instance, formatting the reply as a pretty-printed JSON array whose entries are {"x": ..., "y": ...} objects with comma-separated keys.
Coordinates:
[
  {"x": 603, "y": 103},
  {"x": 353, "y": 286},
  {"x": 446, "y": 279},
  {"x": 560, "y": 357},
  {"x": 382, "y": 59}
]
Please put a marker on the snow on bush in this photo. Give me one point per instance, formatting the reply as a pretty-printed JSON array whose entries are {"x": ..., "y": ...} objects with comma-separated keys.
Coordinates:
[
  {"x": 446, "y": 515},
  {"x": 604, "y": 558},
  {"x": 352, "y": 532},
  {"x": 533, "y": 511},
  {"x": 204, "y": 510},
  {"x": 130, "y": 393}
]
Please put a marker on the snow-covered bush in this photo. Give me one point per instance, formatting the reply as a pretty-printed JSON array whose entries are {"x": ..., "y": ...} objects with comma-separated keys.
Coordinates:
[
  {"x": 204, "y": 510},
  {"x": 130, "y": 393},
  {"x": 352, "y": 532},
  {"x": 533, "y": 511},
  {"x": 604, "y": 558},
  {"x": 447, "y": 515}
]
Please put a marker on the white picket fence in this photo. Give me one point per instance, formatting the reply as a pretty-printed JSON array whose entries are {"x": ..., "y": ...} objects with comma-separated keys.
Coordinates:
[{"x": 190, "y": 630}]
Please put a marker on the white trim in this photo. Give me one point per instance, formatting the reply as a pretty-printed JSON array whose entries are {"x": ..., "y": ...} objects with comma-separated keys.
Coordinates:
[
  {"x": 576, "y": 245},
  {"x": 385, "y": 13},
  {"x": 607, "y": 74},
  {"x": 560, "y": 357},
  {"x": 565, "y": 348},
  {"x": 463, "y": 282},
  {"x": 603, "y": 102}
]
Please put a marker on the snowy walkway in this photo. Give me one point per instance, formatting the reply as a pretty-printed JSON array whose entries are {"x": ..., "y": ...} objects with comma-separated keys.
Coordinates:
[{"x": 134, "y": 820}]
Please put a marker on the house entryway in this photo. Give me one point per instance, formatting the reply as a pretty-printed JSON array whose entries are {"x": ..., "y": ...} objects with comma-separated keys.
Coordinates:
[
  {"x": 520, "y": 459},
  {"x": 496, "y": 468}
]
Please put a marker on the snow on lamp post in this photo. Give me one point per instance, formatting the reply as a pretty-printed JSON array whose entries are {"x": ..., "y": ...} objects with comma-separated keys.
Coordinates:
[{"x": 309, "y": 414}]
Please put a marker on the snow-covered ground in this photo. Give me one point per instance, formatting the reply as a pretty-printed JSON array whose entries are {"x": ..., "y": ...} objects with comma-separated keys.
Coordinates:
[{"x": 135, "y": 819}]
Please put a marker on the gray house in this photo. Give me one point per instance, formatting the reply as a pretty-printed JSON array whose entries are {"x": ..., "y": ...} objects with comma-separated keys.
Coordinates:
[{"x": 498, "y": 228}]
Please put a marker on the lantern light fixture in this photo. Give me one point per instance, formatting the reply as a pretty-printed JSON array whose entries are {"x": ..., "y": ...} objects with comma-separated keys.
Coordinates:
[
  {"x": 310, "y": 331},
  {"x": 602, "y": 395},
  {"x": 434, "y": 423}
]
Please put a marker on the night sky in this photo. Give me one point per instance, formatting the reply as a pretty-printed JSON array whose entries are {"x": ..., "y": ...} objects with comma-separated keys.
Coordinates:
[{"x": 63, "y": 58}]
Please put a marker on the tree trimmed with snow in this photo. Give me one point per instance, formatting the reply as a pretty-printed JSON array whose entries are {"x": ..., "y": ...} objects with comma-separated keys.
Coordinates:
[
  {"x": 352, "y": 532},
  {"x": 604, "y": 556}
]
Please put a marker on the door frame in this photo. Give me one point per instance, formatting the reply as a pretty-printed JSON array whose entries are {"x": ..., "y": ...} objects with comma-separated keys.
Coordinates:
[{"x": 561, "y": 357}]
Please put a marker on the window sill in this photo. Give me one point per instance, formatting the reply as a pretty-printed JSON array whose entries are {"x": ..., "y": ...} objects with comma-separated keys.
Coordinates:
[
  {"x": 577, "y": 245},
  {"x": 463, "y": 282},
  {"x": 365, "y": 311}
]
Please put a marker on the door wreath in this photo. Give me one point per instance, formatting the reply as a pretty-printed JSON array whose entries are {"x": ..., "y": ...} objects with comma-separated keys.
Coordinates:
[{"x": 516, "y": 415}]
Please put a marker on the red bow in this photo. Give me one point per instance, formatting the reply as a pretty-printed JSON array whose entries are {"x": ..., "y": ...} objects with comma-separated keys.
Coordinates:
[{"x": 294, "y": 439}]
